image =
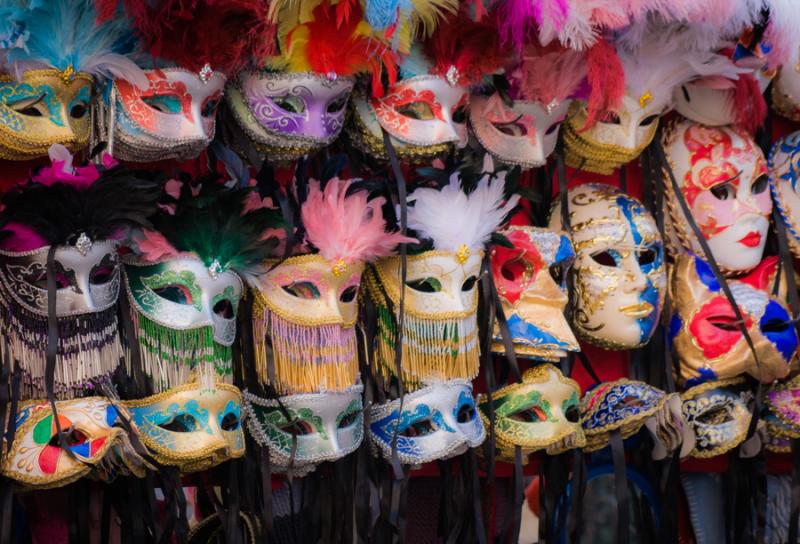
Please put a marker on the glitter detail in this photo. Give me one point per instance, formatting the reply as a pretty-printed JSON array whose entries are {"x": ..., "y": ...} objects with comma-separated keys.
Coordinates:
[
  {"x": 84, "y": 244},
  {"x": 463, "y": 254},
  {"x": 452, "y": 75},
  {"x": 205, "y": 73},
  {"x": 645, "y": 99},
  {"x": 214, "y": 269},
  {"x": 68, "y": 75},
  {"x": 339, "y": 268}
]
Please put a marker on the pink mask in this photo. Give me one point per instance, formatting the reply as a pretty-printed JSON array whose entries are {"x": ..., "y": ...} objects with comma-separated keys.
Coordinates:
[
  {"x": 524, "y": 134},
  {"x": 173, "y": 118},
  {"x": 722, "y": 175}
]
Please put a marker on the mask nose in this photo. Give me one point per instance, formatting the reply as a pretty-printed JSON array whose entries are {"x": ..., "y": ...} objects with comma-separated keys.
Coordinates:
[
  {"x": 634, "y": 280},
  {"x": 84, "y": 286}
]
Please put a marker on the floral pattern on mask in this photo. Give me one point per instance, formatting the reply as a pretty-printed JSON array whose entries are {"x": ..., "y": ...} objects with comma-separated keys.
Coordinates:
[{"x": 784, "y": 174}]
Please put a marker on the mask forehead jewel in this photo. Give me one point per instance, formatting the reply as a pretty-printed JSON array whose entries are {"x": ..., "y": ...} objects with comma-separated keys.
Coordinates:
[
  {"x": 205, "y": 73},
  {"x": 68, "y": 74},
  {"x": 83, "y": 244},
  {"x": 463, "y": 254},
  {"x": 645, "y": 99},
  {"x": 452, "y": 75},
  {"x": 214, "y": 269}
]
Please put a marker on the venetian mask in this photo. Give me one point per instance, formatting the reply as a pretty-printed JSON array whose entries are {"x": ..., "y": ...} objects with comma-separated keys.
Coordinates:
[
  {"x": 308, "y": 309},
  {"x": 623, "y": 405},
  {"x": 542, "y": 412},
  {"x": 184, "y": 314},
  {"x": 424, "y": 115},
  {"x": 786, "y": 88},
  {"x": 719, "y": 414},
  {"x": 438, "y": 421},
  {"x": 440, "y": 335},
  {"x": 613, "y": 141},
  {"x": 524, "y": 134},
  {"x": 722, "y": 176},
  {"x": 619, "y": 275},
  {"x": 327, "y": 426},
  {"x": 174, "y": 118},
  {"x": 288, "y": 115},
  {"x": 46, "y": 107},
  {"x": 87, "y": 283},
  {"x": 784, "y": 169},
  {"x": 531, "y": 282},
  {"x": 91, "y": 426},
  {"x": 192, "y": 426},
  {"x": 704, "y": 334},
  {"x": 783, "y": 401}
]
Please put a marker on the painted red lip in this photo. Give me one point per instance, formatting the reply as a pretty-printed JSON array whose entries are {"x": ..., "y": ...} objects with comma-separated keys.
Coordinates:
[{"x": 751, "y": 239}]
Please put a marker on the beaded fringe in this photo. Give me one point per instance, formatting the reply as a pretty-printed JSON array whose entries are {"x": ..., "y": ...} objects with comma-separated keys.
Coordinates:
[
  {"x": 308, "y": 359},
  {"x": 88, "y": 349},
  {"x": 172, "y": 357}
]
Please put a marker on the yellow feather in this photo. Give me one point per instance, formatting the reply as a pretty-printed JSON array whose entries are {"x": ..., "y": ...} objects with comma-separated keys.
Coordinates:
[
  {"x": 297, "y": 55},
  {"x": 427, "y": 14}
]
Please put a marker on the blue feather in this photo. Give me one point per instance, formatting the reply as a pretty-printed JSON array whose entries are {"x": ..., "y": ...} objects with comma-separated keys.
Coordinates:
[{"x": 415, "y": 64}]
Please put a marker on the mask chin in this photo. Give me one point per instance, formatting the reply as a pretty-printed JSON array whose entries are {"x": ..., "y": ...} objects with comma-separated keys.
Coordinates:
[{"x": 438, "y": 421}]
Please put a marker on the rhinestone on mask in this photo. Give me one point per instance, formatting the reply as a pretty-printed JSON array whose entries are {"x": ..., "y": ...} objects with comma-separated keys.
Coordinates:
[
  {"x": 205, "y": 73},
  {"x": 83, "y": 244},
  {"x": 452, "y": 75},
  {"x": 214, "y": 269}
]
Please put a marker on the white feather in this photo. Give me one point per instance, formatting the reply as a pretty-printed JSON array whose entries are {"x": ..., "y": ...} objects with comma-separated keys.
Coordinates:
[{"x": 451, "y": 218}]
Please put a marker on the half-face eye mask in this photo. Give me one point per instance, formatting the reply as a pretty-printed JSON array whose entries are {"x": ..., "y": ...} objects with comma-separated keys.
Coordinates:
[
  {"x": 542, "y": 412},
  {"x": 722, "y": 176},
  {"x": 172, "y": 118},
  {"x": 191, "y": 426},
  {"x": 326, "y": 426},
  {"x": 613, "y": 141},
  {"x": 623, "y": 406},
  {"x": 719, "y": 414},
  {"x": 43, "y": 109},
  {"x": 704, "y": 333},
  {"x": 531, "y": 282},
  {"x": 288, "y": 115},
  {"x": 783, "y": 421},
  {"x": 438, "y": 421},
  {"x": 784, "y": 175},
  {"x": 183, "y": 314},
  {"x": 524, "y": 134},
  {"x": 619, "y": 274},
  {"x": 98, "y": 445},
  {"x": 440, "y": 334},
  {"x": 424, "y": 115}
]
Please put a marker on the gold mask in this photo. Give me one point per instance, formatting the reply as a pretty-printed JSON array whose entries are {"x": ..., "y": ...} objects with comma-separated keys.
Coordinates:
[{"x": 47, "y": 107}]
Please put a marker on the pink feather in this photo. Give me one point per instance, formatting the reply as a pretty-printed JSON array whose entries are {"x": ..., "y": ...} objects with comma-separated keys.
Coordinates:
[
  {"x": 547, "y": 75},
  {"x": 347, "y": 227},
  {"x": 606, "y": 77},
  {"x": 21, "y": 238},
  {"x": 154, "y": 246},
  {"x": 748, "y": 103}
]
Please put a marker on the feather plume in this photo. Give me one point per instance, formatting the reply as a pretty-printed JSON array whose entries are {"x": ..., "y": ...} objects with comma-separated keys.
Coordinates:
[
  {"x": 326, "y": 45},
  {"x": 62, "y": 33},
  {"x": 606, "y": 77},
  {"x": 347, "y": 227},
  {"x": 449, "y": 217},
  {"x": 471, "y": 47},
  {"x": 426, "y": 15},
  {"x": 518, "y": 19},
  {"x": 225, "y": 34},
  {"x": 212, "y": 226},
  {"x": 749, "y": 105},
  {"x": 547, "y": 75},
  {"x": 58, "y": 206}
]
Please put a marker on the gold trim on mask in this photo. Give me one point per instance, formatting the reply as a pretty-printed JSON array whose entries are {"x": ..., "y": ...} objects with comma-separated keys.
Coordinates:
[
  {"x": 692, "y": 393},
  {"x": 28, "y": 143}
]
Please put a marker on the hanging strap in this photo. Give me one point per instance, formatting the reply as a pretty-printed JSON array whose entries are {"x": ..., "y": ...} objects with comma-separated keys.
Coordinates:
[{"x": 620, "y": 486}]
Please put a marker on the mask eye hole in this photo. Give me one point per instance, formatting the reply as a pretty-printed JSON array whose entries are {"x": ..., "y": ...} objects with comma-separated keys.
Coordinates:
[
  {"x": 724, "y": 191},
  {"x": 648, "y": 120},
  {"x": 177, "y": 293},
  {"x": 605, "y": 258},
  {"x": 572, "y": 414},
  {"x": 469, "y": 284},
  {"x": 534, "y": 414},
  {"x": 466, "y": 413},
  {"x": 647, "y": 256},
  {"x": 716, "y": 415},
  {"x": 72, "y": 436},
  {"x": 460, "y": 115},
  {"x": 419, "y": 428},
  {"x": 210, "y": 108},
  {"x": 300, "y": 427},
  {"x": 224, "y": 309},
  {"x": 181, "y": 423},
  {"x": 420, "y": 111},
  {"x": 348, "y": 420},
  {"x": 630, "y": 400},
  {"x": 164, "y": 103},
  {"x": 552, "y": 128},
  {"x": 101, "y": 275},
  {"x": 291, "y": 104},
  {"x": 302, "y": 289},
  {"x": 612, "y": 118},
  {"x": 759, "y": 185},
  {"x": 511, "y": 129},
  {"x": 349, "y": 294},
  {"x": 425, "y": 285},
  {"x": 685, "y": 92},
  {"x": 229, "y": 422},
  {"x": 31, "y": 107},
  {"x": 724, "y": 323},
  {"x": 79, "y": 110},
  {"x": 40, "y": 280},
  {"x": 774, "y": 326},
  {"x": 337, "y": 105},
  {"x": 512, "y": 270}
]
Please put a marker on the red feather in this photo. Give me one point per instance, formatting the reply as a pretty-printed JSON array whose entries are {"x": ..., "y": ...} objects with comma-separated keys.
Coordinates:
[
  {"x": 606, "y": 78},
  {"x": 223, "y": 33},
  {"x": 749, "y": 105},
  {"x": 106, "y": 9}
]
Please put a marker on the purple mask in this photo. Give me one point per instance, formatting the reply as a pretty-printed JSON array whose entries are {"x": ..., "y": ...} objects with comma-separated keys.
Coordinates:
[{"x": 302, "y": 106}]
